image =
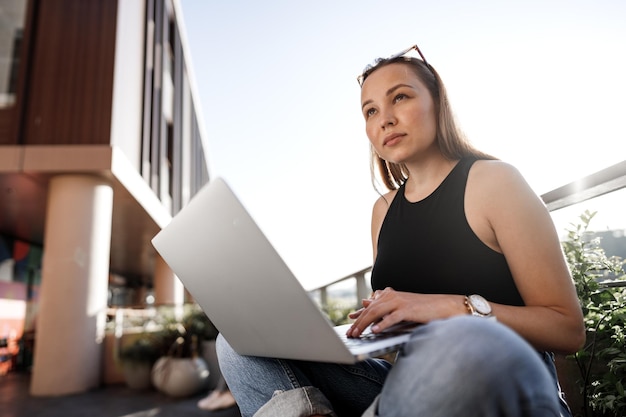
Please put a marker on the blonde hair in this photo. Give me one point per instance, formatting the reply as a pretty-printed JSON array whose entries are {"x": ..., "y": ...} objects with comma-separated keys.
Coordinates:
[{"x": 449, "y": 138}]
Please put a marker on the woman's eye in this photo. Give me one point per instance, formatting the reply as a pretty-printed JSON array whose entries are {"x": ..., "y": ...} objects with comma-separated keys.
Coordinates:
[
  {"x": 370, "y": 112},
  {"x": 399, "y": 97}
]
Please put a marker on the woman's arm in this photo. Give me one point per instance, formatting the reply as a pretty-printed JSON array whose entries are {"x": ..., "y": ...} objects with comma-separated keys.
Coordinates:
[{"x": 508, "y": 216}]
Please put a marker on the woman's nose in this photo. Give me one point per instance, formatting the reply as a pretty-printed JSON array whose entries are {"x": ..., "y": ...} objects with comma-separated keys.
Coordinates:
[{"x": 388, "y": 120}]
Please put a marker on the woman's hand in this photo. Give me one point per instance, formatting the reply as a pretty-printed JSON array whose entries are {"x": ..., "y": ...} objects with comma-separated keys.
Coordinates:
[{"x": 388, "y": 307}]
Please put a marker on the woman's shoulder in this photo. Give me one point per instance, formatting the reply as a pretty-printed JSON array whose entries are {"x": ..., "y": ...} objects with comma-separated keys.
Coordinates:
[
  {"x": 385, "y": 200},
  {"x": 492, "y": 166},
  {"x": 495, "y": 182},
  {"x": 496, "y": 173},
  {"x": 382, "y": 203}
]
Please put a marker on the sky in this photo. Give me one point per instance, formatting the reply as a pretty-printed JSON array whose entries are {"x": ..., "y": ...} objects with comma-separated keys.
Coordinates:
[{"x": 538, "y": 83}]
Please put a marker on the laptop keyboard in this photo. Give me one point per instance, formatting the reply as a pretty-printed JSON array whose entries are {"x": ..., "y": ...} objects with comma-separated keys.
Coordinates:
[{"x": 367, "y": 336}]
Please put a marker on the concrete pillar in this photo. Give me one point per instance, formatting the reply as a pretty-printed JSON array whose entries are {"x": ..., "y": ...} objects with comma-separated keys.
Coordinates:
[
  {"x": 73, "y": 294},
  {"x": 363, "y": 290},
  {"x": 168, "y": 289},
  {"x": 324, "y": 296}
]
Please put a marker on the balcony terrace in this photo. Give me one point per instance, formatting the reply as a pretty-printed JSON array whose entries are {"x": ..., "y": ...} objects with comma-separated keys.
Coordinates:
[{"x": 603, "y": 190}]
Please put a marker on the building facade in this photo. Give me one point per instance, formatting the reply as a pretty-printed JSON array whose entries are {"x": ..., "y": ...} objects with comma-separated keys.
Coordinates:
[{"x": 100, "y": 145}]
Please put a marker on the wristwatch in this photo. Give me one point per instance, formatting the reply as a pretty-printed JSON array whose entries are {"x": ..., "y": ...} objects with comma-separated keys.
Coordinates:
[{"x": 478, "y": 306}]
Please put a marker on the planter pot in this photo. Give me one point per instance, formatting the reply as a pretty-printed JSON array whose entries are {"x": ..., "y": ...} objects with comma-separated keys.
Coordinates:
[
  {"x": 179, "y": 377},
  {"x": 569, "y": 374},
  {"x": 137, "y": 374}
]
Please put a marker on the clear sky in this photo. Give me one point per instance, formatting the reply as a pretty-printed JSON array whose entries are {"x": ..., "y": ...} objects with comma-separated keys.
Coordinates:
[{"x": 538, "y": 83}]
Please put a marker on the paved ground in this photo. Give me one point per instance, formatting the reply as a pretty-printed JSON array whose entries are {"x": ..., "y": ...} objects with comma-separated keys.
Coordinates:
[{"x": 109, "y": 401}]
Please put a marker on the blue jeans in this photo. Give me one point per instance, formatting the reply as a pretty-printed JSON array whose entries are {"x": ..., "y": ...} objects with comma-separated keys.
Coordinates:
[{"x": 455, "y": 367}]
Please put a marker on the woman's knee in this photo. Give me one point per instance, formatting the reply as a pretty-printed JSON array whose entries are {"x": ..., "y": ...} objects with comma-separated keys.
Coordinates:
[
  {"x": 464, "y": 337},
  {"x": 479, "y": 346},
  {"x": 467, "y": 358}
]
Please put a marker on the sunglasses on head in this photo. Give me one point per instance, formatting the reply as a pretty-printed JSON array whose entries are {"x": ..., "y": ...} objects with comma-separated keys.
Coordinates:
[{"x": 371, "y": 67}]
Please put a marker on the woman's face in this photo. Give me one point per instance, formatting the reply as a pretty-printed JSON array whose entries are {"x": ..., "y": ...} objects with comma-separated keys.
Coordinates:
[{"x": 399, "y": 114}]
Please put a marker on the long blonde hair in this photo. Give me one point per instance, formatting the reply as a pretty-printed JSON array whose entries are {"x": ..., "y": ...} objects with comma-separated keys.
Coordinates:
[{"x": 449, "y": 138}]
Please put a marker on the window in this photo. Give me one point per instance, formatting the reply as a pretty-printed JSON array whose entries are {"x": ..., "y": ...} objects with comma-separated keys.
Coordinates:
[{"x": 12, "y": 16}]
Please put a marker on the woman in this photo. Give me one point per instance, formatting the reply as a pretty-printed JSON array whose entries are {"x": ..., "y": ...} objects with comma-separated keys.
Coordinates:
[{"x": 462, "y": 245}]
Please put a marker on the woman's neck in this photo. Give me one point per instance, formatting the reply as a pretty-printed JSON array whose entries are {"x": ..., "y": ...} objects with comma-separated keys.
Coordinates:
[{"x": 426, "y": 176}]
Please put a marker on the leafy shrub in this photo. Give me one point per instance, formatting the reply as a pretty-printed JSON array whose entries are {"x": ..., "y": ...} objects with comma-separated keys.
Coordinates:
[
  {"x": 600, "y": 284},
  {"x": 337, "y": 312},
  {"x": 143, "y": 350}
]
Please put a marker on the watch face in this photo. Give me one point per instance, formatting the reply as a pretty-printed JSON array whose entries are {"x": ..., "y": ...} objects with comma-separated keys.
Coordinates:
[{"x": 480, "y": 304}]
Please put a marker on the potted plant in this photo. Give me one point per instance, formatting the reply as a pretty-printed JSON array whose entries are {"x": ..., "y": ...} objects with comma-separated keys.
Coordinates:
[
  {"x": 182, "y": 371},
  {"x": 197, "y": 323},
  {"x": 137, "y": 360}
]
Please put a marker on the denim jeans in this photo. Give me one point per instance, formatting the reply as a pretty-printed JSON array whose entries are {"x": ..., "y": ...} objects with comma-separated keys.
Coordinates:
[{"x": 463, "y": 366}]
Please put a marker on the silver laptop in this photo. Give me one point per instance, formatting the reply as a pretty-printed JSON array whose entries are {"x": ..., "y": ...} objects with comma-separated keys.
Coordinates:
[{"x": 230, "y": 268}]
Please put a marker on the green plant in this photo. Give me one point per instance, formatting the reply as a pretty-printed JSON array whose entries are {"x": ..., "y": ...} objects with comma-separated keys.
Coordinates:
[
  {"x": 599, "y": 284},
  {"x": 337, "y": 312},
  {"x": 146, "y": 349},
  {"x": 196, "y": 322},
  {"x": 181, "y": 337}
]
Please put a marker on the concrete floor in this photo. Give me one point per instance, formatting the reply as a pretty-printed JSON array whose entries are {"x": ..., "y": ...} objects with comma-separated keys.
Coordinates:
[{"x": 109, "y": 401}]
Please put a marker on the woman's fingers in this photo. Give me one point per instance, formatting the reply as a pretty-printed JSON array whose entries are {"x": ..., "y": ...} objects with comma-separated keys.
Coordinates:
[
  {"x": 384, "y": 309},
  {"x": 374, "y": 309},
  {"x": 355, "y": 314}
]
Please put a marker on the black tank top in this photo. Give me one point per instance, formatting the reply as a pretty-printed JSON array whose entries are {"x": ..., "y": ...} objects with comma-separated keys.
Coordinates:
[{"x": 428, "y": 247}]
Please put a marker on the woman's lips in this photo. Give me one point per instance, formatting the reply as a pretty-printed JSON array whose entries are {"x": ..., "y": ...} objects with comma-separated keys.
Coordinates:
[{"x": 392, "y": 139}]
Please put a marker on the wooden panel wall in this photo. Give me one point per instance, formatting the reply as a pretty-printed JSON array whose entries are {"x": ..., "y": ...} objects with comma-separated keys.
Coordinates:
[{"x": 69, "y": 92}]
